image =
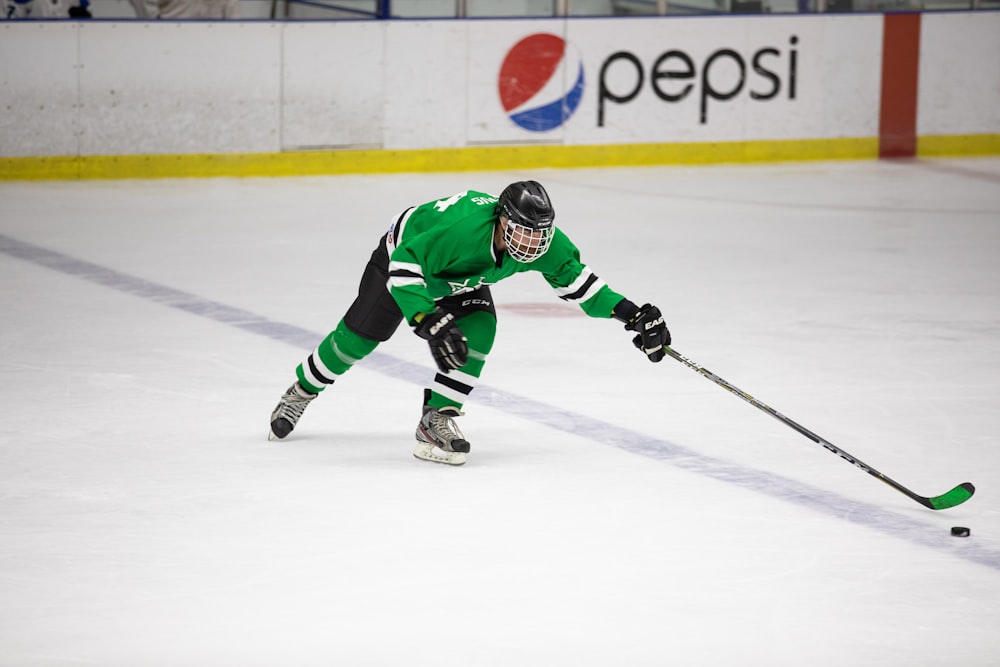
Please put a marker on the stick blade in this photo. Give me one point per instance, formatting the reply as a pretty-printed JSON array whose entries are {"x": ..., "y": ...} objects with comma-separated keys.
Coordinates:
[{"x": 956, "y": 496}]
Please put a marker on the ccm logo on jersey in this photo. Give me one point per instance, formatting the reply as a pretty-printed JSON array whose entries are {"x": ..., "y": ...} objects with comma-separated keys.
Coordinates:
[{"x": 476, "y": 302}]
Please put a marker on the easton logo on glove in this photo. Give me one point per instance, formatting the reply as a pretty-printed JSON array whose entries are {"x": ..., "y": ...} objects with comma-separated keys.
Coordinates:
[
  {"x": 447, "y": 342},
  {"x": 649, "y": 325},
  {"x": 435, "y": 328},
  {"x": 653, "y": 333}
]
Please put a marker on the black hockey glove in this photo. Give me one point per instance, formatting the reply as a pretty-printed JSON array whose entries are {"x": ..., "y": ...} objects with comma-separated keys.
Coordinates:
[
  {"x": 448, "y": 345},
  {"x": 648, "y": 322}
]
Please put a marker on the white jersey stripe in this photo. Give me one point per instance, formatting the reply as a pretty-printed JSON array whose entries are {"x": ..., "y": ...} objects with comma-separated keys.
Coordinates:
[
  {"x": 395, "y": 281},
  {"x": 407, "y": 274},
  {"x": 569, "y": 293},
  {"x": 576, "y": 284},
  {"x": 396, "y": 230},
  {"x": 592, "y": 292},
  {"x": 409, "y": 267}
]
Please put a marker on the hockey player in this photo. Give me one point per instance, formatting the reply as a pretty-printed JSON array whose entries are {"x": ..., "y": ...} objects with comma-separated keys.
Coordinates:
[{"x": 434, "y": 269}]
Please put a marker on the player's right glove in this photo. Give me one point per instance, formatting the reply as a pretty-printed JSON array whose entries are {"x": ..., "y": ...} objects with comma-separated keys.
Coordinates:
[
  {"x": 652, "y": 332},
  {"x": 448, "y": 344}
]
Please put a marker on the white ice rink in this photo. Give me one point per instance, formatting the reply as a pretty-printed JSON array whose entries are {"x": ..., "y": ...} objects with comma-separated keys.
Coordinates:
[{"x": 613, "y": 512}]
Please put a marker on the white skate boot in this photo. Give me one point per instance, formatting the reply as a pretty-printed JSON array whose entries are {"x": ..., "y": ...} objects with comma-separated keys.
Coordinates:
[{"x": 439, "y": 439}]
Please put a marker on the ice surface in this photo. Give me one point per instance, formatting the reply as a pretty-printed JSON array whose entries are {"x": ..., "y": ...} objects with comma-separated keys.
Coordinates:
[{"x": 613, "y": 512}]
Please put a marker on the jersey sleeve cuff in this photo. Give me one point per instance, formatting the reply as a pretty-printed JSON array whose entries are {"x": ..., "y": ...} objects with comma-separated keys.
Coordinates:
[{"x": 624, "y": 311}]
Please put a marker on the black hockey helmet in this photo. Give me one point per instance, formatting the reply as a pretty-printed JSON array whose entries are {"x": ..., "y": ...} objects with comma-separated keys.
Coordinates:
[
  {"x": 527, "y": 203},
  {"x": 528, "y": 210}
]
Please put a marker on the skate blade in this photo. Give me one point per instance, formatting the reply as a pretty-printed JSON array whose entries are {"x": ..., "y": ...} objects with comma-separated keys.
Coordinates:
[{"x": 428, "y": 452}]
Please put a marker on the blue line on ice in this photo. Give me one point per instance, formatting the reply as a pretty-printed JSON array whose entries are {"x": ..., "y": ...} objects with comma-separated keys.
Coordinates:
[{"x": 775, "y": 486}]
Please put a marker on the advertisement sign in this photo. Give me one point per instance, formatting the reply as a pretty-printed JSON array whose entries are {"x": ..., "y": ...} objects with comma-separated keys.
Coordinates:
[{"x": 649, "y": 80}]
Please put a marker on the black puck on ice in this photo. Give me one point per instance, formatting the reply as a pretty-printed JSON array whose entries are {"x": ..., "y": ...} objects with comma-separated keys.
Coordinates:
[{"x": 960, "y": 531}]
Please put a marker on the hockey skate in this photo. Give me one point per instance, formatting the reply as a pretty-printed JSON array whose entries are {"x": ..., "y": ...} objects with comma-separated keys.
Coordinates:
[
  {"x": 290, "y": 408},
  {"x": 439, "y": 439}
]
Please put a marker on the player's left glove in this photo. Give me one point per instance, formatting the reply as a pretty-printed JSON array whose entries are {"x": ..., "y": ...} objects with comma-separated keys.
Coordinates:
[
  {"x": 448, "y": 344},
  {"x": 647, "y": 321}
]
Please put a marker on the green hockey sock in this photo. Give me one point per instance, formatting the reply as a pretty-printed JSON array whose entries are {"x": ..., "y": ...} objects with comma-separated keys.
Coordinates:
[
  {"x": 341, "y": 349},
  {"x": 454, "y": 387}
]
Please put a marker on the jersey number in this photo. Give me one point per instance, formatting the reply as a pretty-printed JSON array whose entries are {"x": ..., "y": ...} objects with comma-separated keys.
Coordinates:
[{"x": 442, "y": 204}]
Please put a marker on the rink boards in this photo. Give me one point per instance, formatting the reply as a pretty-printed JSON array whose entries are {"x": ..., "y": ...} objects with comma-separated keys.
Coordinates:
[{"x": 119, "y": 99}]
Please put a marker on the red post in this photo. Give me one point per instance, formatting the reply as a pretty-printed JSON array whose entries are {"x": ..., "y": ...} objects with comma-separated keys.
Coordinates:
[{"x": 900, "y": 72}]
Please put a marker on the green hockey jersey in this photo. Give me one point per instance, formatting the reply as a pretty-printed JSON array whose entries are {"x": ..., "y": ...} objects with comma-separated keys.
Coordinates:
[{"x": 445, "y": 247}]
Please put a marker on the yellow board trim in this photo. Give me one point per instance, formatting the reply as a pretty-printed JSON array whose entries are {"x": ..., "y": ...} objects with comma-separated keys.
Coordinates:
[
  {"x": 958, "y": 145},
  {"x": 486, "y": 158}
]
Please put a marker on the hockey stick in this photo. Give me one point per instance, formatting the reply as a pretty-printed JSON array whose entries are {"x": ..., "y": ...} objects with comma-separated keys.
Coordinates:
[{"x": 956, "y": 496}]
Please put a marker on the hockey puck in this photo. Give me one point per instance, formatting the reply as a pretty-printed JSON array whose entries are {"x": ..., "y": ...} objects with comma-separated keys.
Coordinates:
[{"x": 960, "y": 531}]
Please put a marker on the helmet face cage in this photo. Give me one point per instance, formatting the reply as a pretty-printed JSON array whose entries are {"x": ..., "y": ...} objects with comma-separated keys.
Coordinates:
[
  {"x": 529, "y": 214},
  {"x": 526, "y": 244}
]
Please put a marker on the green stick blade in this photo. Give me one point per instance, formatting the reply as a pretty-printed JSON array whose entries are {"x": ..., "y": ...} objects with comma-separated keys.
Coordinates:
[{"x": 956, "y": 496}]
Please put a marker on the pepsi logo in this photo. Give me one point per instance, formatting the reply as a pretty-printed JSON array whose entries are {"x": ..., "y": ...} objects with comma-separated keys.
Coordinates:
[{"x": 541, "y": 82}]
